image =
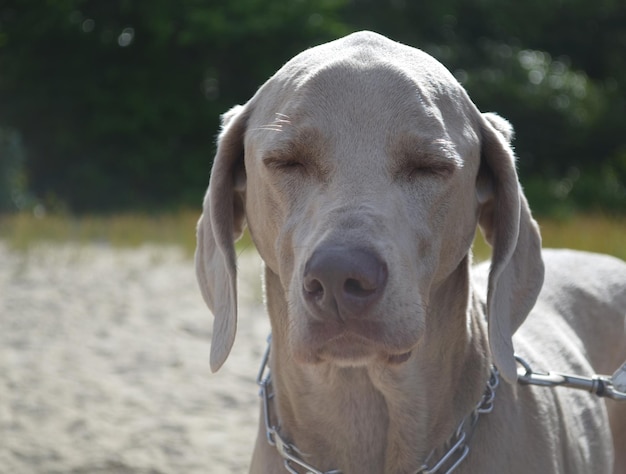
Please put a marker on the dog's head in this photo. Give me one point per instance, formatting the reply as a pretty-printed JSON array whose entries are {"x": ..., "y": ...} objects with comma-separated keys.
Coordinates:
[{"x": 362, "y": 169}]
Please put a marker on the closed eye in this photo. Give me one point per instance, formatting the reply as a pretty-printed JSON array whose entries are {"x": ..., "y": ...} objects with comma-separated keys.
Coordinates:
[
  {"x": 423, "y": 158},
  {"x": 427, "y": 169},
  {"x": 284, "y": 164}
]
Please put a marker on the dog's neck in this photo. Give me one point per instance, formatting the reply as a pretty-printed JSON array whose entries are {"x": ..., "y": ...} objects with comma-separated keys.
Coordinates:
[{"x": 387, "y": 418}]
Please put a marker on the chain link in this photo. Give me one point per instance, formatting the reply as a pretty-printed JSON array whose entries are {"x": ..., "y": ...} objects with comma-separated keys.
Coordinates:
[{"x": 459, "y": 442}]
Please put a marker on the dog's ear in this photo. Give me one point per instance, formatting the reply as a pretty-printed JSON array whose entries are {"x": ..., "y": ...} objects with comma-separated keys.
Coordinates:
[
  {"x": 516, "y": 272},
  {"x": 221, "y": 223}
]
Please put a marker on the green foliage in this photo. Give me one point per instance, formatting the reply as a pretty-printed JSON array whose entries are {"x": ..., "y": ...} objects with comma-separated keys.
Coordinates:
[
  {"x": 13, "y": 181},
  {"x": 118, "y": 102}
]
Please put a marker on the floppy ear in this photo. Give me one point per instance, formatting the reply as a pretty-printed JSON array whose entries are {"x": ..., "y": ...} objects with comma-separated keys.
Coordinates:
[
  {"x": 516, "y": 273},
  {"x": 221, "y": 223}
]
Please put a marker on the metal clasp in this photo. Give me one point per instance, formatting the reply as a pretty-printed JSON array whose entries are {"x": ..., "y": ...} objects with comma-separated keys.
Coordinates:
[{"x": 600, "y": 385}]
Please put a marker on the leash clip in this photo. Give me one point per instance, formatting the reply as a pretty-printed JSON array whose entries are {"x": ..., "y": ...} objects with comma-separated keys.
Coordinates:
[{"x": 600, "y": 385}]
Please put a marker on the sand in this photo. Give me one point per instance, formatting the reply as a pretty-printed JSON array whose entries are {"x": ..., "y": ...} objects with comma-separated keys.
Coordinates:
[{"x": 104, "y": 364}]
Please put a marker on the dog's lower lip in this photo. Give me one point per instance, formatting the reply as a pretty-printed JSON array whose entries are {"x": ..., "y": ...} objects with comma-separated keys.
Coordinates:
[{"x": 399, "y": 358}]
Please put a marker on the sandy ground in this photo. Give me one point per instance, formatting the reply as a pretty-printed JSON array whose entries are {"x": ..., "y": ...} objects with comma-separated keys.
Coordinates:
[{"x": 104, "y": 365}]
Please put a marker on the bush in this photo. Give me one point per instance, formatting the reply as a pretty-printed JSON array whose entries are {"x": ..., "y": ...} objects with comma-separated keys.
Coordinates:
[
  {"x": 118, "y": 102},
  {"x": 13, "y": 185}
]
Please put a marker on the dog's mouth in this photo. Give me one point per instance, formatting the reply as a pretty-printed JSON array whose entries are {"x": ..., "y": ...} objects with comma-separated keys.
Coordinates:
[
  {"x": 397, "y": 359},
  {"x": 353, "y": 355},
  {"x": 348, "y": 347}
]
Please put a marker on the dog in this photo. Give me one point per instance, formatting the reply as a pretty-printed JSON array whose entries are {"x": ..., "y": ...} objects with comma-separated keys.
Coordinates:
[{"x": 362, "y": 170}]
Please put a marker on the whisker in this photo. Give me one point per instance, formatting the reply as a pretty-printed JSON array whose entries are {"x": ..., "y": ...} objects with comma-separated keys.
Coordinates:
[
  {"x": 276, "y": 125},
  {"x": 269, "y": 128}
]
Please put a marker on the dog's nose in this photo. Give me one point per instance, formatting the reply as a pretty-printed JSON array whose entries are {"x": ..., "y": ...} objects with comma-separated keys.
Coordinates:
[{"x": 343, "y": 282}]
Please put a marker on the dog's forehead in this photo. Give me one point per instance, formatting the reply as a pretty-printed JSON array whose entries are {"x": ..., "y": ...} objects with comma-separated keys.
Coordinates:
[
  {"x": 362, "y": 81},
  {"x": 364, "y": 50}
]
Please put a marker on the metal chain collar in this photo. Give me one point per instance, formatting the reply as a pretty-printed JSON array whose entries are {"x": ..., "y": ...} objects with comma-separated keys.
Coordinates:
[
  {"x": 454, "y": 455},
  {"x": 600, "y": 385}
]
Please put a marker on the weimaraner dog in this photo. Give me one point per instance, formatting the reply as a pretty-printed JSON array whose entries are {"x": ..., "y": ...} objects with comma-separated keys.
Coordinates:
[{"x": 362, "y": 170}]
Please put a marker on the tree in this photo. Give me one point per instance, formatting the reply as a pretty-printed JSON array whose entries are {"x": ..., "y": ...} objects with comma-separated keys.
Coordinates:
[{"x": 118, "y": 102}]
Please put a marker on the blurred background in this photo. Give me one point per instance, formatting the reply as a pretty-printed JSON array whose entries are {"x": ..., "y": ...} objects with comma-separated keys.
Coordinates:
[
  {"x": 115, "y": 105},
  {"x": 109, "y": 107}
]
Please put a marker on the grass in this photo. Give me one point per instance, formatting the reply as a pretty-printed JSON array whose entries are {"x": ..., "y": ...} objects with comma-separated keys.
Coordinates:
[
  {"x": 594, "y": 233},
  {"x": 24, "y": 230},
  {"x": 584, "y": 232}
]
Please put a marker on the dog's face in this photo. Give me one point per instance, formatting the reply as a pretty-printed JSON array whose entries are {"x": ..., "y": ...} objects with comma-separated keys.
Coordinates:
[
  {"x": 360, "y": 196},
  {"x": 361, "y": 169}
]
